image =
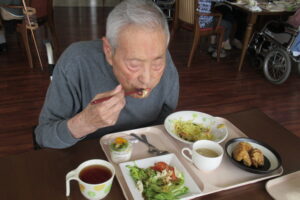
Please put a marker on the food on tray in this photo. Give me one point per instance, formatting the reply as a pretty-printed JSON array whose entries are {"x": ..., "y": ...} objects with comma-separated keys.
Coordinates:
[
  {"x": 160, "y": 181},
  {"x": 257, "y": 157},
  {"x": 249, "y": 155},
  {"x": 143, "y": 92},
  {"x": 241, "y": 153},
  {"x": 119, "y": 144},
  {"x": 120, "y": 149},
  {"x": 191, "y": 131},
  {"x": 207, "y": 152}
]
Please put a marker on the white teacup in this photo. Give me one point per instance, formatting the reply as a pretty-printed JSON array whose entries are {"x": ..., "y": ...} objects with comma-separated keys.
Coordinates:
[
  {"x": 94, "y": 178},
  {"x": 206, "y": 155}
]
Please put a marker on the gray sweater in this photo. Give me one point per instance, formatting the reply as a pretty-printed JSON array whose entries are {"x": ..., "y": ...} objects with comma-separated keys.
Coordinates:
[{"x": 80, "y": 74}]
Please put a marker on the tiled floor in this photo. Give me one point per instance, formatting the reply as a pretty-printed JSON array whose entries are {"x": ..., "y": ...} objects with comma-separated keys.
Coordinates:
[{"x": 85, "y": 3}]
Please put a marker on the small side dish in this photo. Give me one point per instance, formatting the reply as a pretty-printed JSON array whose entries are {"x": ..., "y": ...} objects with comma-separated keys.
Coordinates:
[
  {"x": 252, "y": 155},
  {"x": 160, "y": 181},
  {"x": 120, "y": 149}
]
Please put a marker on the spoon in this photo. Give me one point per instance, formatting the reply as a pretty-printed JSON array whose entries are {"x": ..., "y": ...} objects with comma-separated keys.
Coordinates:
[
  {"x": 151, "y": 149},
  {"x": 140, "y": 91}
]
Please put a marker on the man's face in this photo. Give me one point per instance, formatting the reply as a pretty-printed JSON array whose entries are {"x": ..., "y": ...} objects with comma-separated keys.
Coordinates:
[{"x": 139, "y": 59}]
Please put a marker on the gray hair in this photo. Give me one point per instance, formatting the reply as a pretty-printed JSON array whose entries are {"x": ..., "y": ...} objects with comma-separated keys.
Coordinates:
[{"x": 143, "y": 13}]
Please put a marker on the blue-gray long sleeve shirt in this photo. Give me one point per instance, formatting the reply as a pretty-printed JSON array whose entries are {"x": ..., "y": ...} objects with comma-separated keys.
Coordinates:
[{"x": 80, "y": 74}]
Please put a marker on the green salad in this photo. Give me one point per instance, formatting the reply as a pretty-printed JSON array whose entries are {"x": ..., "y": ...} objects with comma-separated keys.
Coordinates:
[
  {"x": 159, "y": 182},
  {"x": 191, "y": 131}
]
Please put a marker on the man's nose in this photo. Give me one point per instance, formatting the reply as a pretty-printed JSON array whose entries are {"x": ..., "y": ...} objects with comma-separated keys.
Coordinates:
[{"x": 145, "y": 76}]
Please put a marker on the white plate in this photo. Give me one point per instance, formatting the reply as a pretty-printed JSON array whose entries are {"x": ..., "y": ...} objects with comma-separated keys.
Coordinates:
[
  {"x": 272, "y": 158},
  {"x": 219, "y": 132},
  {"x": 285, "y": 187},
  {"x": 170, "y": 159}
]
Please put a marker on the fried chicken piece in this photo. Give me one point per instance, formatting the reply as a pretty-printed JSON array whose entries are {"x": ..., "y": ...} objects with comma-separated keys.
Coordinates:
[
  {"x": 257, "y": 157},
  {"x": 246, "y": 146},
  {"x": 241, "y": 153}
]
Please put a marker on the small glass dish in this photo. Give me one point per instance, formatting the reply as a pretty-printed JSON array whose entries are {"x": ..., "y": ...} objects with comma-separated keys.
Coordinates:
[{"x": 120, "y": 149}]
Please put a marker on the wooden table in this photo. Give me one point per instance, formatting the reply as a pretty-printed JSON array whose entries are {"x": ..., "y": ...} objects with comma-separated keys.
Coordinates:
[
  {"x": 251, "y": 21},
  {"x": 41, "y": 174}
]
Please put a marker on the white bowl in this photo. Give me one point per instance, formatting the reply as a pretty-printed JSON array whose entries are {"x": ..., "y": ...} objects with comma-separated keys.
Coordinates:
[{"x": 218, "y": 130}]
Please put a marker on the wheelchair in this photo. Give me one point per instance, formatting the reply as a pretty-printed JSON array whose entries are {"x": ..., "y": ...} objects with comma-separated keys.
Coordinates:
[{"x": 271, "y": 50}]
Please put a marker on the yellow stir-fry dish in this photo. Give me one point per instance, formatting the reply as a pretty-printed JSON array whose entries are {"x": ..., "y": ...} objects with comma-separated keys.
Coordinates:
[{"x": 191, "y": 131}]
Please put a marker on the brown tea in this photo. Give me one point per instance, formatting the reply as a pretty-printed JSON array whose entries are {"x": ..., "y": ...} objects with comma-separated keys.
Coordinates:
[
  {"x": 95, "y": 174},
  {"x": 207, "y": 152}
]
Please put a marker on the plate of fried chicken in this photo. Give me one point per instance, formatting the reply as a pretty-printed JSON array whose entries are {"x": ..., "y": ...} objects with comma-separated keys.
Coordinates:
[{"x": 252, "y": 155}]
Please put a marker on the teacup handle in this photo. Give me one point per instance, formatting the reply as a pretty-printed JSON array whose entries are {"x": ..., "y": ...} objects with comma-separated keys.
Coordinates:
[
  {"x": 185, "y": 156},
  {"x": 70, "y": 176}
]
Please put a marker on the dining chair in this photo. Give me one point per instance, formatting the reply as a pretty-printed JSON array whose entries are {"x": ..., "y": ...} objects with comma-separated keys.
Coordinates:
[
  {"x": 187, "y": 16},
  {"x": 44, "y": 18}
]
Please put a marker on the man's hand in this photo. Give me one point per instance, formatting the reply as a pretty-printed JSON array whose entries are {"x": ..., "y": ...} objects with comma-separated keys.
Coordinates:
[{"x": 99, "y": 115}]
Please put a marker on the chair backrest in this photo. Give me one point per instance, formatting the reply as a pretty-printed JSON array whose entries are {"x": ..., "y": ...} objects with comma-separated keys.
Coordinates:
[{"x": 186, "y": 10}]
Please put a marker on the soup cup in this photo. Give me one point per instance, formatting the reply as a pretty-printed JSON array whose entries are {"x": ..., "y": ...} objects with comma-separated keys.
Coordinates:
[{"x": 206, "y": 155}]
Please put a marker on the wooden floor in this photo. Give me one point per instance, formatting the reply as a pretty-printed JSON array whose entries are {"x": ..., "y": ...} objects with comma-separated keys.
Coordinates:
[{"x": 208, "y": 86}]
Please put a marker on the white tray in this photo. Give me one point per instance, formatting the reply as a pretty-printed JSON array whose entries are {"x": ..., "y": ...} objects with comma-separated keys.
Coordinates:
[
  {"x": 208, "y": 182},
  {"x": 286, "y": 187}
]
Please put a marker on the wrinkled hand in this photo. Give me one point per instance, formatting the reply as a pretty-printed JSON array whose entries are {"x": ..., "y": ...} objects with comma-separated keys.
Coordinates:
[{"x": 99, "y": 115}]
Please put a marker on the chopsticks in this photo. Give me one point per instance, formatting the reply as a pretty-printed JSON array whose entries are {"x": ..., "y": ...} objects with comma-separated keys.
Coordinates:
[{"x": 140, "y": 92}]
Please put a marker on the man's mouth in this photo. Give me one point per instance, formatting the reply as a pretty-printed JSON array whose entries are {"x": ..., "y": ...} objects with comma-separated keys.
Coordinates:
[{"x": 142, "y": 92}]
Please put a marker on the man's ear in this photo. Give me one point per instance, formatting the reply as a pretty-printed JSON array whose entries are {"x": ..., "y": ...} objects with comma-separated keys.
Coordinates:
[{"x": 107, "y": 50}]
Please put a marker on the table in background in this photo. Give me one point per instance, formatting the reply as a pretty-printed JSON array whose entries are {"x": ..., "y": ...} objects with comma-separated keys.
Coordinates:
[
  {"x": 251, "y": 21},
  {"x": 41, "y": 174}
]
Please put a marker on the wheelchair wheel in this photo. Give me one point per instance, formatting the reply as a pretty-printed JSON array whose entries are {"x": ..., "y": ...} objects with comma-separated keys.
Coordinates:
[{"x": 277, "y": 66}]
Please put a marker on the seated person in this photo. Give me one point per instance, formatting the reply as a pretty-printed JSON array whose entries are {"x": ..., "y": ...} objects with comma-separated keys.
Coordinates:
[
  {"x": 132, "y": 55},
  {"x": 281, "y": 31},
  {"x": 205, "y": 6},
  {"x": 8, "y": 14},
  {"x": 294, "y": 20},
  {"x": 11, "y": 13}
]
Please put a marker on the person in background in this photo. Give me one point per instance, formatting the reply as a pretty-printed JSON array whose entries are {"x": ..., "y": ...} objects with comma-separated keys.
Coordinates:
[
  {"x": 229, "y": 18},
  {"x": 205, "y": 6},
  {"x": 294, "y": 20},
  {"x": 237, "y": 19},
  {"x": 132, "y": 55},
  {"x": 8, "y": 14}
]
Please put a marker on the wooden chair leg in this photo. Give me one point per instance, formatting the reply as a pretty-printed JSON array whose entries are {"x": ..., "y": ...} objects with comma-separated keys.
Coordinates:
[
  {"x": 194, "y": 46},
  {"x": 24, "y": 35}
]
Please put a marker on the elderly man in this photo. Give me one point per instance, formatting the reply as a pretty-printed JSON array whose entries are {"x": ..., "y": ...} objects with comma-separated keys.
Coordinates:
[{"x": 133, "y": 56}]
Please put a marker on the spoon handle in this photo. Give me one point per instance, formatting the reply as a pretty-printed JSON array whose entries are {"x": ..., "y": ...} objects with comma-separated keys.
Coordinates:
[
  {"x": 145, "y": 138},
  {"x": 106, "y": 98},
  {"x": 142, "y": 139},
  {"x": 138, "y": 137}
]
